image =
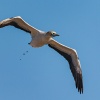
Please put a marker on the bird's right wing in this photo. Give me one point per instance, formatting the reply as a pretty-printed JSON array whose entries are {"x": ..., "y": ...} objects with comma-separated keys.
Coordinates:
[
  {"x": 18, "y": 22},
  {"x": 71, "y": 56}
]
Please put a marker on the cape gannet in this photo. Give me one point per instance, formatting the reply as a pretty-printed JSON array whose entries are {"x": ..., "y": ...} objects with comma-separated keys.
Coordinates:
[{"x": 40, "y": 38}]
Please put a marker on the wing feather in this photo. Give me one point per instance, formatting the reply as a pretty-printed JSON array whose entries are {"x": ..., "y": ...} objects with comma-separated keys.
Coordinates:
[
  {"x": 19, "y": 23},
  {"x": 68, "y": 54}
]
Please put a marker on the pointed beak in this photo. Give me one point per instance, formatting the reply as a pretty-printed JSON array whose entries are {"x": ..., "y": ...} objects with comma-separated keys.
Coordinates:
[{"x": 56, "y": 35}]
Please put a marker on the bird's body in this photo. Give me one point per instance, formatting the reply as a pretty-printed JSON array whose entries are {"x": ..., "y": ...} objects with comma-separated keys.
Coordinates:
[{"x": 40, "y": 38}]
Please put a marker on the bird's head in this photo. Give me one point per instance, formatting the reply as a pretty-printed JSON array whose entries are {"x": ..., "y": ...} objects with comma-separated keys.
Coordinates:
[{"x": 52, "y": 34}]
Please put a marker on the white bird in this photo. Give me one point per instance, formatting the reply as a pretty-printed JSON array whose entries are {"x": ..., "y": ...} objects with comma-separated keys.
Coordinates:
[{"x": 40, "y": 38}]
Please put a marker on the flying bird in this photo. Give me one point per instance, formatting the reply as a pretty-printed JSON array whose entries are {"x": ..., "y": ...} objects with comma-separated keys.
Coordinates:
[{"x": 40, "y": 38}]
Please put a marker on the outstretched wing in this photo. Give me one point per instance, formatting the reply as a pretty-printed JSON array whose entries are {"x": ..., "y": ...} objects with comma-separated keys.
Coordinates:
[
  {"x": 18, "y": 22},
  {"x": 71, "y": 56}
]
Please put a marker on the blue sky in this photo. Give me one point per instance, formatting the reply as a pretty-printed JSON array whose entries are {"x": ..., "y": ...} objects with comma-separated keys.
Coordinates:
[{"x": 42, "y": 74}]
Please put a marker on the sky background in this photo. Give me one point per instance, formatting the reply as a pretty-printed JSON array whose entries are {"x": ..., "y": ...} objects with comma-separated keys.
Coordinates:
[{"x": 41, "y": 73}]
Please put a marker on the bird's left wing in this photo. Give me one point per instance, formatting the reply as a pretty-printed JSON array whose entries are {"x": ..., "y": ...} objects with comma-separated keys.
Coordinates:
[
  {"x": 71, "y": 56},
  {"x": 18, "y": 22}
]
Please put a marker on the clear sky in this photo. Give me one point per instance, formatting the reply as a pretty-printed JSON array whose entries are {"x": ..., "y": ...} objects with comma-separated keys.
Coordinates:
[{"x": 42, "y": 74}]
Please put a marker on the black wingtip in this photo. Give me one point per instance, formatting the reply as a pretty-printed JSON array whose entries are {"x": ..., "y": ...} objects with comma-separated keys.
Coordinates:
[{"x": 79, "y": 86}]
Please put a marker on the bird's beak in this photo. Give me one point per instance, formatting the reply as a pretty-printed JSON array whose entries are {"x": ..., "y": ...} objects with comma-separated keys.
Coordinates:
[{"x": 55, "y": 35}]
